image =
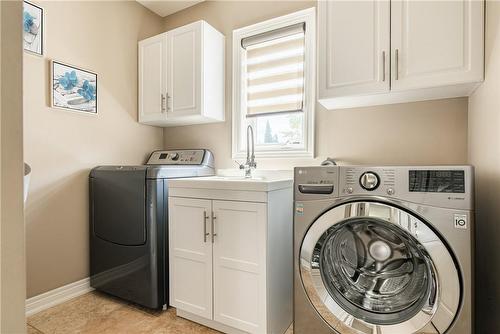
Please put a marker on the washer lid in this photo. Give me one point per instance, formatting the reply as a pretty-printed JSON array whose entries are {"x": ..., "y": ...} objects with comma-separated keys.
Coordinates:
[{"x": 370, "y": 267}]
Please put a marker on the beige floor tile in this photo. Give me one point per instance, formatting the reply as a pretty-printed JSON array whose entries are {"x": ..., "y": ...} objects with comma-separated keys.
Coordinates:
[
  {"x": 169, "y": 323},
  {"x": 96, "y": 313},
  {"x": 33, "y": 330},
  {"x": 76, "y": 315}
]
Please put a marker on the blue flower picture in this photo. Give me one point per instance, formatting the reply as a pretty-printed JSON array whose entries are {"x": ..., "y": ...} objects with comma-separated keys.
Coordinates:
[
  {"x": 28, "y": 21},
  {"x": 33, "y": 28},
  {"x": 69, "y": 80},
  {"x": 87, "y": 91},
  {"x": 73, "y": 88}
]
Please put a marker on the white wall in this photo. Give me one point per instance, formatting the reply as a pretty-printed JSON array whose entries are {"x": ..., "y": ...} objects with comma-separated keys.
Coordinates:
[
  {"x": 62, "y": 146},
  {"x": 484, "y": 154}
]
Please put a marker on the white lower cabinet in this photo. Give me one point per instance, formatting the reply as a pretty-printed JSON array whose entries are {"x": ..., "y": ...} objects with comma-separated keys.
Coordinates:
[
  {"x": 239, "y": 262},
  {"x": 221, "y": 260},
  {"x": 190, "y": 256}
]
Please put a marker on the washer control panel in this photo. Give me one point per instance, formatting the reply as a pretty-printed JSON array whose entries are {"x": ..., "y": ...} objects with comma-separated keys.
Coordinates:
[
  {"x": 445, "y": 186},
  {"x": 362, "y": 180},
  {"x": 180, "y": 157}
]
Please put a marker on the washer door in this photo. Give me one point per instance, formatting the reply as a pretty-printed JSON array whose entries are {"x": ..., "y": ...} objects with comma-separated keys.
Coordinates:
[{"x": 369, "y": 267}]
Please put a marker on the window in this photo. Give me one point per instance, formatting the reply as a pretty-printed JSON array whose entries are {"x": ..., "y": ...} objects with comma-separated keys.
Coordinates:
[{"x": 273, "y": 86}]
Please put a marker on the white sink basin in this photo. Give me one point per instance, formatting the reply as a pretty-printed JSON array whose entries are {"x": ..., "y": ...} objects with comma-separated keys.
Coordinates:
[
  {"x": 238, "y": 178},
  {"x": 261, "y": 180}
]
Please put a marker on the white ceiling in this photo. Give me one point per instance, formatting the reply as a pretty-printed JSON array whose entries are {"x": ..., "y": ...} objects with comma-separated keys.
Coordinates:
[{"x": 167, "y": 7}]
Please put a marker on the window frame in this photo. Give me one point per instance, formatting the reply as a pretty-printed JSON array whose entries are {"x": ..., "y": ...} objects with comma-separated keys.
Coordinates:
[{"x": 307, "y": 16}]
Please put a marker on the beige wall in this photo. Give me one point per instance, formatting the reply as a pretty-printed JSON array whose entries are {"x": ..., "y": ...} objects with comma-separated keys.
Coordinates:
[
  {"x": 417, "y": 133},
  {"x": 12, "y": 260},
  {"x": 484, "y": 153},
  {"x": 63, "y": 146}
]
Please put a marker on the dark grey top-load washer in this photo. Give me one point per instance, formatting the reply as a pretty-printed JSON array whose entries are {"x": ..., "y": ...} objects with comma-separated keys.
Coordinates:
[{"x": 128, "y": 224}]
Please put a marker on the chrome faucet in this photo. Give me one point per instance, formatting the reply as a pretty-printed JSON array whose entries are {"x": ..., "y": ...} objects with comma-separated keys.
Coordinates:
[{"x": 250, "y": 163}]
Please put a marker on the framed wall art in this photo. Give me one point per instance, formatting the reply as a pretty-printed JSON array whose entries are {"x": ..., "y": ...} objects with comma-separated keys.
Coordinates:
[
  {"x": 73, "y": 88},
  {"x": 33, "y": 28}
]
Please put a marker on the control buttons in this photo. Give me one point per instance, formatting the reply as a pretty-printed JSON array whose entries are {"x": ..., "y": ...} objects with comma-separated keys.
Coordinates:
[
  {"x": 349, "y": 190},
  {"x": 390, "y": 191},
  {"x": 174, "y": 156},
  {"x": 369, "y": 181}
]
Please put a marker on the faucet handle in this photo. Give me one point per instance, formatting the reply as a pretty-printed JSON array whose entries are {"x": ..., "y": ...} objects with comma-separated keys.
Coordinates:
[{"x": 240, "y": 165}]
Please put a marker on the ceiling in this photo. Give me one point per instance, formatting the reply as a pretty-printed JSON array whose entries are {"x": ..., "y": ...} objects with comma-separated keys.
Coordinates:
[{"x": 167, "y": 7}]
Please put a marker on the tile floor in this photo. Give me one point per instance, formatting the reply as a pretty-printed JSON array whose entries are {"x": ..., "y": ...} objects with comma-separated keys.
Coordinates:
[{"x": 101, "y": 314}]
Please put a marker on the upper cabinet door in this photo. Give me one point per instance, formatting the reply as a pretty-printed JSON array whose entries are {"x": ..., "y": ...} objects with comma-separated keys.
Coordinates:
[
  {"x": 354, "y": 47},
  {"x": 153, "y": 79},
  {"x": 436, "y": 43},
  {"x": 184, "y": 66},
  {"x": 239, "y": 255},
  {"x": 190, "y": 248}
]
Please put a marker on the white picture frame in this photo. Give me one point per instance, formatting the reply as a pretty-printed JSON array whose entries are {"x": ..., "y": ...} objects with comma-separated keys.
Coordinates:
[{"x": 73, "y": 88}]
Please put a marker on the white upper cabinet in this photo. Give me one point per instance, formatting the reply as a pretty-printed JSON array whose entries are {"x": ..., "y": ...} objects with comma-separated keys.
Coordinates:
[
  {"x": 184, "y": 61},
  {"x": 355, "y": 56},
  {"x": 436, "y": 43},
  {"x": 184, "y": 84},
  {"x": 152, "y": 79},
  {"x": 379, "y": 52}
]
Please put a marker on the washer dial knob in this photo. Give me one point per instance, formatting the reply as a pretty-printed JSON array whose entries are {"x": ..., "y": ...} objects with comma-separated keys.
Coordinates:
[
  {"x": 369, "y": 181},
  {"x": 174, "y": 156}
]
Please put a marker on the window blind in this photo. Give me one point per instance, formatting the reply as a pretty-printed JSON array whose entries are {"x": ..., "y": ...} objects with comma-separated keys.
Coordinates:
[{"x": 275, "y": 71}]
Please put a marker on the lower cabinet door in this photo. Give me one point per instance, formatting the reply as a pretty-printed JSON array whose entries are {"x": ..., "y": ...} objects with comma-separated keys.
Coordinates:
[
  {"x": 239, "y": 255},
  {"x": 190, "y": 255}
]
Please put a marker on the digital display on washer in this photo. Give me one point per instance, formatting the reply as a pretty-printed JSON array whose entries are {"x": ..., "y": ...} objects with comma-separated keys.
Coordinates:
[
  {"x": 163, "y": 156},
  {"x": 437, "y": 181}
]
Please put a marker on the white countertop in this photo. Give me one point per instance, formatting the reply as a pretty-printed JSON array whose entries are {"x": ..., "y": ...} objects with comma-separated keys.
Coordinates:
[{"x": 234, "y": 179}]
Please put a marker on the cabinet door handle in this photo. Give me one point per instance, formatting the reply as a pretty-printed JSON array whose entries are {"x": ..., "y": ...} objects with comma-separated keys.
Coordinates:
[
  {"x": 168, "y": 98},
  {"x": 396, "y": 54},
  {"x": 205, "y": 233},
  {"x": 213, "y": 226},
  {"x": 163, "y": 103},
  {"x": 383, "y": 65}
]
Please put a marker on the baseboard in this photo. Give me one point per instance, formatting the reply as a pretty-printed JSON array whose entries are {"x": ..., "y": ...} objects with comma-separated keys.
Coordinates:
[{"x": 57, "y": 296}]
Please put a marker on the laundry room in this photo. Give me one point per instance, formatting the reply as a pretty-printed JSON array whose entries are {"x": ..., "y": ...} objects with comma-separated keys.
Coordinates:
[{"x": 220, "y": 166}]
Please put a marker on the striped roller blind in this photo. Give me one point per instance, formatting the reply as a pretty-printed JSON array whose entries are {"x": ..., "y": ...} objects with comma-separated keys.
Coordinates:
[{"x": 275, "y": 71}]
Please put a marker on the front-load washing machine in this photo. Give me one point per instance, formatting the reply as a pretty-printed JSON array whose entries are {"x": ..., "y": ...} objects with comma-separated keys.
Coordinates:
[{"x": 383, "y": 250}]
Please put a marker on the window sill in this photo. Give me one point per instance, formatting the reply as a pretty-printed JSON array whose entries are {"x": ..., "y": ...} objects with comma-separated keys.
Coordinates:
[{"x": 276, "y": 155}]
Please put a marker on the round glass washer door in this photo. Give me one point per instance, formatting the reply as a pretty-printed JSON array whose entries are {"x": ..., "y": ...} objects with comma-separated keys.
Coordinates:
[{"x": 370, "y": 267}]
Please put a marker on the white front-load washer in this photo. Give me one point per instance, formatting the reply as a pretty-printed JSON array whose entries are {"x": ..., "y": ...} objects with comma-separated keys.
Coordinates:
[{"x": 383, "y": 250}]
